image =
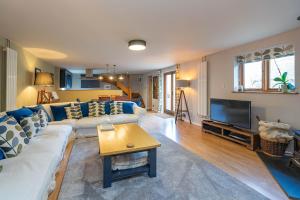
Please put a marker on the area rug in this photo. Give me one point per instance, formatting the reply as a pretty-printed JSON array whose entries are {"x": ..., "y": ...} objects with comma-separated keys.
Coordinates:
[
  {"x": 287, "y": 177},
  {"x": 180, "y": 175}
]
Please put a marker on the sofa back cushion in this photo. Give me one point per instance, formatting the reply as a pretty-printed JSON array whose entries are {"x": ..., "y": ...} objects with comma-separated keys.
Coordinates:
[
  {"x": 58, "y": 111},
  {"x": 20, "y": 113},
  {"x": 12, "y": 137}
]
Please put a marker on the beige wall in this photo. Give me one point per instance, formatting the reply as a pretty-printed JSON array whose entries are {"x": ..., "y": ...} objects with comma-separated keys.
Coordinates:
[
  {"x": 26, "y": 91},
  {"x": 85, "y": 95},
  {"x": 267, "y": 106},
  {"x": 220, "y": 82}
]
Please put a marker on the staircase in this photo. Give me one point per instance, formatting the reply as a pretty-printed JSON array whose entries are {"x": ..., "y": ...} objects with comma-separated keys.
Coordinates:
[{"x": 133, "y": 96}]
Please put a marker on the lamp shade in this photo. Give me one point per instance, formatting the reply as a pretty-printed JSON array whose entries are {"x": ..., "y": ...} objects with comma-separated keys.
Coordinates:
[
  {"x": 182, "y": 83},
  {"x": 44, "y": 78}
]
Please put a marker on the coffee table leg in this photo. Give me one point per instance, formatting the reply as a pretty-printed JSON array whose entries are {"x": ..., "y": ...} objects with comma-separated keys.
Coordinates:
[
  {"x": 107, "y": 172},
  {"x": 152, "y": 162}
]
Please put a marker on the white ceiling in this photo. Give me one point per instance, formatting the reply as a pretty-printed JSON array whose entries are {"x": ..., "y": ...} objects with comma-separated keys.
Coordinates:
[{"x": 93, "y": 33}]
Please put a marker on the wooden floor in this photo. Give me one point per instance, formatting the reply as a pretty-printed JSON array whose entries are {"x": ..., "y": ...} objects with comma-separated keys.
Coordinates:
[{"x": 232, "y": 158}]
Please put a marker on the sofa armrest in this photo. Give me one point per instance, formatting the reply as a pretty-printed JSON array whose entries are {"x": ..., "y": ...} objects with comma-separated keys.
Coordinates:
[{"x": 139, "y": 111}]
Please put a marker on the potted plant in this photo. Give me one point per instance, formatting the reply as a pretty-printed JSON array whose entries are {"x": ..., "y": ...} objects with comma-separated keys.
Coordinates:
[{"x": 282, "y": 81}]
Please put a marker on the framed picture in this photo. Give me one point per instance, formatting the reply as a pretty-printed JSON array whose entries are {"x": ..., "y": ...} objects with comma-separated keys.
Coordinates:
[{"x": 107, "y": 87}]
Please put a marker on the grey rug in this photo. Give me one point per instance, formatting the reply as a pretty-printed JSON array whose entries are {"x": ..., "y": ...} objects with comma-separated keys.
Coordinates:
[{"x": 180, "y": 175}]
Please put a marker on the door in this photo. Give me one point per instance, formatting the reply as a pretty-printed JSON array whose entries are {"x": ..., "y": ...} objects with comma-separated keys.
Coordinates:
[
  {"x": 149, "y": 102},
  {"x": 169, "y": 92}
]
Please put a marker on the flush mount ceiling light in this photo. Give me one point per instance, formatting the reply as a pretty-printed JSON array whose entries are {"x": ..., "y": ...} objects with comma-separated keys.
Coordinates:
[{"x": 137, "y": 45}]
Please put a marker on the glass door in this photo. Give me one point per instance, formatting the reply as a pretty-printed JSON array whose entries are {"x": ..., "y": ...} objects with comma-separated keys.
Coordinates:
[{"x": 169, "y": 92}]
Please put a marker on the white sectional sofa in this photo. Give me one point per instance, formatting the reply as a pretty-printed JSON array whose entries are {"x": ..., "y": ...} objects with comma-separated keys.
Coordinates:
[
  {"x": 86, "y": 126},
  {"x": 31, "y": 174}
]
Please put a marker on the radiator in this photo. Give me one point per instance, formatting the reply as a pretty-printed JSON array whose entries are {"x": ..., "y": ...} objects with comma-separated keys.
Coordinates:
[
  {"x": 11, "y": 78},
  {"x": 202, "y": 90}
]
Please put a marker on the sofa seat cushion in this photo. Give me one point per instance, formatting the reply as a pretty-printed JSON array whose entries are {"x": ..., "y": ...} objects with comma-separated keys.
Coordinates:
[
  {"x": 69, "y": 122},
  {"x": 33, "y": 170},
  {"x": 123, "y": 118},
  {"x": 92, "y": 122}
]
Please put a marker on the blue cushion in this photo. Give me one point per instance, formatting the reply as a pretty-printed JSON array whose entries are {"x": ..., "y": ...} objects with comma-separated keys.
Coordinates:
[
  {"x": 84, "y": 109},
  {"x": 20, "y": 113},
  {"x": 59, "y": 112},
  {"x": 107, "y": 107},
  {"x": 40, "y": 107},
  {"x": 128, "y": 107},
  {"x": 2, "y": 154},
  {"x": 3, "y": 118}
]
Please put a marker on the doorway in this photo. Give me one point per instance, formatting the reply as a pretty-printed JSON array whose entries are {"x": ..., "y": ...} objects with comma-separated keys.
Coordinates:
[
  {"x": 169, "y": 92},
  {"x": 149, "y": 102}
]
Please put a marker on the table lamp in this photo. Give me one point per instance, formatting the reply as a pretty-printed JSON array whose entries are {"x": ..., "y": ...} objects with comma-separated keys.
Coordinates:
[{"x": 44, "y": 79}]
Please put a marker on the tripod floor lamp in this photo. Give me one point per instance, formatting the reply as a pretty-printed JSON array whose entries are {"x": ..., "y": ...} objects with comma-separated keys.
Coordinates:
[{"x": 181, "y": 84}]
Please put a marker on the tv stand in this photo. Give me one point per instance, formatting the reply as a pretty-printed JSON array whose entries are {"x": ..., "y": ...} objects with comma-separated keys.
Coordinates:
[{"x": 243, "y": 137}]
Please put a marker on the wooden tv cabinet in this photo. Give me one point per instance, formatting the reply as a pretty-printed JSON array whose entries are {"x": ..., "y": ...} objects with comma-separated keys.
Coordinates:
[{"x": 243, "y": 137}]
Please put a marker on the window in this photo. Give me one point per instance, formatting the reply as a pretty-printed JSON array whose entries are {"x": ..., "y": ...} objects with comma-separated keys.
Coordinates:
[
  {"x": 253, "y": 75},
  {"x": 256, "y": 71},
  {"x": 284, "y": 64}
]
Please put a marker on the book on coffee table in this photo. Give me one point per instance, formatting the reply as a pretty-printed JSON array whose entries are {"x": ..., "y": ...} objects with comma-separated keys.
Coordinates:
[{"x": 107, "y": 127}]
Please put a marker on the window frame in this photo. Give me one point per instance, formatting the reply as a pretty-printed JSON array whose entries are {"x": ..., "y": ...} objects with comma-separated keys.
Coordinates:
[{"x": 265, "y": 78}]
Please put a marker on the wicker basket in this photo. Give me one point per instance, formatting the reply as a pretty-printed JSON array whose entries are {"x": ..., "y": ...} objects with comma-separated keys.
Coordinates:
[{"x": 273, "y": 148}]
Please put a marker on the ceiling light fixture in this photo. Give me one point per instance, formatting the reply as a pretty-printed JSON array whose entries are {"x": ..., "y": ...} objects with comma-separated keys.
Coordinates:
[
  {"x": 121, "y": 77},
  {"x": 137, "y": 45},
  {"x": 100, "y": 77},
  {"x": 111, "y": 78}
]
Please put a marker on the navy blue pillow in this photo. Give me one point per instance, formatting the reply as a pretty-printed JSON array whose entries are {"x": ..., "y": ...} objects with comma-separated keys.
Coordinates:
[
  {"x": 59, "y": 112},
  {"x": 128, "y": 107},
  {"x": 3, "y": 118},
  {"x": 40, "y": 107},
  {"x": 20, "y": 113},
  {"x": 107, "y": 107},
  {"x": 2, "y": 154},
  {"x": 84, "y": 109}
]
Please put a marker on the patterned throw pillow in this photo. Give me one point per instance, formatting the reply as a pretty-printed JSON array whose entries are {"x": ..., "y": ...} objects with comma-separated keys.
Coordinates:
[
  {"x": 116, "y": 108},
  {"x": 12, "y": 137},
  {"x": 43, "y": 118},
  {"x": 31, "y": 125},
  {"x": 96, "y": 109},
  {"x": 73, "y": 112}
]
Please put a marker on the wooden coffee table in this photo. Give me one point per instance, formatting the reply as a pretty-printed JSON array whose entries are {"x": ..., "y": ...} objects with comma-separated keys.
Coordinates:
[{"x": 125, "y": 139}]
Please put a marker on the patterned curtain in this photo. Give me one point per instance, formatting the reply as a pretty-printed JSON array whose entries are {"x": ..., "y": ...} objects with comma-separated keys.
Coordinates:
[
  {"x": 266, "y": 54},
  {"x": 160, "y": 92},
  {"x": 177, "y": 90}
]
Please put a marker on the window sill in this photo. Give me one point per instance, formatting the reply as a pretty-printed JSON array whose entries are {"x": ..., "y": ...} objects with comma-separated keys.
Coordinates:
[{"x": 266, "y": 92}]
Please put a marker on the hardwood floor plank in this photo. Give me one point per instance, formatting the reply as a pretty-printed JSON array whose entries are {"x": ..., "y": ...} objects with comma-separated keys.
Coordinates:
[
  {"x": 59, "y": 176},
  {"x": 232, "y": 158}
]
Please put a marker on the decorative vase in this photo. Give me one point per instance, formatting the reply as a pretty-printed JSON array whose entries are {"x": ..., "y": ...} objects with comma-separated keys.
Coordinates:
[{"x": 284, "y": 88}]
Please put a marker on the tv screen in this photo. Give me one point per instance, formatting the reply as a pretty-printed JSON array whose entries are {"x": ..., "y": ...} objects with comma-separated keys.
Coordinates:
[{"x": 232, "y": 112}]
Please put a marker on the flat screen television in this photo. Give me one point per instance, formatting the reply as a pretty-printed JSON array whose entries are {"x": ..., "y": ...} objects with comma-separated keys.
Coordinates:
[{"x": 231, "y": 112}]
